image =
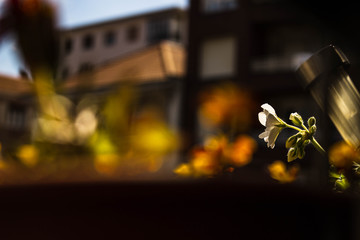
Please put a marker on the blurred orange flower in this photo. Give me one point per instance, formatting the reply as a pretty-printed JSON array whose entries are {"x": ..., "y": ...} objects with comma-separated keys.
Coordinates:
[
  {"x": 217, "y": 154},
  {"x": 204, "y": 163},
  {"x": 342, "y": 155},
  {"x": 241, "y": 151},
  {"x": 278, "y": 171},
  {"x": 226, "y": 104},
  {"x": 216, "y": 144}
]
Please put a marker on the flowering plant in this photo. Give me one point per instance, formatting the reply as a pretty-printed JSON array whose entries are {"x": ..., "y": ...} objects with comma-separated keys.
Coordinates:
[
  {"x": 297, "y": 142},
  {"x": 343, "y": 159}
]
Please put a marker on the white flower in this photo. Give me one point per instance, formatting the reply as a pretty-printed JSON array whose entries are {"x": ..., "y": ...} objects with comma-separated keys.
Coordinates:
[
  {"x": 273, "y": 125},
  {"x": 85, "y": 124}
]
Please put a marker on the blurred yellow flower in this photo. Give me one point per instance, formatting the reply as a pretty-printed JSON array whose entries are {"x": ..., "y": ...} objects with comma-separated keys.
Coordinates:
[
  {"x": 278, "y": 171},
  {"x": 106, "y": 156},
  {"x": 342, "y": 155},
  {"x": 28, "y": 155},
  {"x": 184, "y": 170},
  {"x": 151, "y": 139},
  {"x": 85, "y": 124},
  {"x": 53, "y": 130}
]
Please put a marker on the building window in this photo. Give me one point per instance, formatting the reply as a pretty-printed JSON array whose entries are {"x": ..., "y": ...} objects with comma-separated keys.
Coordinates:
[
  {"x": 210, "y": 6},
  {"x": 15, "y": 116},
  {"x": 158, "y": 29},
  {"x": 283, "y": 47},
  {"x": 218, "y": 57},
  {"x": 109, "y": 38},
  {"x": 86, "y": 67},
  {"x": 68, "y": 46},
  {"x": 132, "y": 33},
  {"x": 88, "y": 42}
]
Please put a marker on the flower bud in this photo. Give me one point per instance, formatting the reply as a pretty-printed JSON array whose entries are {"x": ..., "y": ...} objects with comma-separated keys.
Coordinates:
[
  {"x": 312, "y": 130},
  {"x": 296, "y": 119},
  {"x": 300, "y": 141},
  {"x": 300, "y": 134},
  {"x": 291, "y": 141},
  {"x": 311, "y": 121},
  {"x": 301, "y": 152},
  {"x": 292, "y": 155}
]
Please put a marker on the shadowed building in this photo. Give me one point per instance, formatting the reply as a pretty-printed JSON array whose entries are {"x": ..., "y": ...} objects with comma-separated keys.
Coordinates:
[
  {"x": 84, "y": 48},
  {"x": 156, "y": 70},
  {"x": 16, "y": 111}
]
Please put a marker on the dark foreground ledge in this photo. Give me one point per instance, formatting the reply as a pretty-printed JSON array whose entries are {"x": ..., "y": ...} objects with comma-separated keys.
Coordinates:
[{"x": 174, "y": 210}]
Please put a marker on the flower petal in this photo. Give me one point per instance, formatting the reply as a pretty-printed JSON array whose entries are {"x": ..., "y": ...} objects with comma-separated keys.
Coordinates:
[
  {"x": 264, "y": 135},
  {"x": 268, "y": 108},
  {"x": 272, "y": 120},
  {"x": 262, "y": 118},
  {"x": 273, "y": 135}
]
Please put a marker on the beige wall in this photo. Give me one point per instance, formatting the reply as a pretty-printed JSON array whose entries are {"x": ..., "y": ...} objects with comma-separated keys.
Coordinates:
[
  {"x": 218, "y": 57},
  {"x": 101, "y": 53}
]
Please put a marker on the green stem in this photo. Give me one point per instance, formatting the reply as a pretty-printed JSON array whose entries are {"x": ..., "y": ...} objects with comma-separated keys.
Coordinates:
[
  {"x": 304, "y": 127},
  {"x": 293, "y": 127},
  {"x": 317, "y": 145}
]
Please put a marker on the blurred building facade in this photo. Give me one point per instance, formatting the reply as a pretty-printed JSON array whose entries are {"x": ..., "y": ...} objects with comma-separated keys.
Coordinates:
[
  {"x": 157, "y": 72},
  {"x": 84, "y": 48},
  {"x": 146, "y": 51},
  {"x": 154, "y": 74},
  {"x": 16, "y": 109}
]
